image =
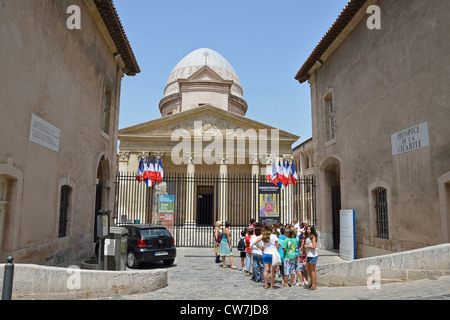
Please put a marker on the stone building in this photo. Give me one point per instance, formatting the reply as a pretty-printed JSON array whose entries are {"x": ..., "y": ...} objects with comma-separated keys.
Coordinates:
[
  {"x": 380, "y": 81},
  {"x": 203, "y": 130},
  {"x": 62, "y": 67}
]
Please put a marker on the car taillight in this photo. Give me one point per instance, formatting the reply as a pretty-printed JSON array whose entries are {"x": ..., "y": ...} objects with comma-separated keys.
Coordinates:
[
  {"x": 173, "y": 241},
  {"x": 141, "y": 243}
]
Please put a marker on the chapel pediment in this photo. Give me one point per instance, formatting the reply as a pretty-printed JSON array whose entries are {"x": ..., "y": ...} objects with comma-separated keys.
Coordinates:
[{"x": 205, "y": 121}]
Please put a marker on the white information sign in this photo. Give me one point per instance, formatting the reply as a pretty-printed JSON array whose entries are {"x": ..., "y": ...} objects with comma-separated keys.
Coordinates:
[
  {"x": 110, "y": 247},
  {"x": 410, "y": 139},
  {"x": 347, "y": 235},
  {"x": 44, "y": 133}
]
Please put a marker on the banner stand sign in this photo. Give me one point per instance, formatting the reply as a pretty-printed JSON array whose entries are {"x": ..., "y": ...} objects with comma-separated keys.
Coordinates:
[
  {"x": 347, "y": 248},
  {"x": 269, "y": 203}
]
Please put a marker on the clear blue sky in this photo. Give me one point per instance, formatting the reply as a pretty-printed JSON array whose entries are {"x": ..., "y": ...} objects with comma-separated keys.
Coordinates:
[{"x": 265, "y": 41}]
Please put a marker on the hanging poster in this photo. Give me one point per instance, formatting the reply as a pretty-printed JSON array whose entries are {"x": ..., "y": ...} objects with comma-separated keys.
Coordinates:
[
  {"x": 269, "y": 203},
  {"x": 166, "y": 210}
]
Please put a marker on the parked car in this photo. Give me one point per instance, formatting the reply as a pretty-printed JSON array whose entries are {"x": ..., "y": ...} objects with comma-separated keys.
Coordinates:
[{"x": 149, "y": 242}]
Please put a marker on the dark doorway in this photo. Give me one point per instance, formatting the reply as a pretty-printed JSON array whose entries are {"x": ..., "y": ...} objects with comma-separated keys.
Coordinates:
[
  {"x": 336, "y": 207},
  {"x": 332, "y": 189},
  {"x": 205, "y": 199},
  {"x": 98, "y": 207}
]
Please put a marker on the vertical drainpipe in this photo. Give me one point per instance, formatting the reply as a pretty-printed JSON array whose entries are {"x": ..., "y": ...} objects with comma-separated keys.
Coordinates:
[{"x": 3, "y": 203}]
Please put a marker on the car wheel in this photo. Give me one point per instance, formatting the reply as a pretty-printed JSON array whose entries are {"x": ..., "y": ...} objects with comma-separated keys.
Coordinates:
[
  {"x": 168, "y": 262},
  {"x": 132, "y": 261}
]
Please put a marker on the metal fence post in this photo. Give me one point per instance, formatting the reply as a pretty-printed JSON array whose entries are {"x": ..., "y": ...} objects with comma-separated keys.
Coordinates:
[{"x": 8, "y": 279}]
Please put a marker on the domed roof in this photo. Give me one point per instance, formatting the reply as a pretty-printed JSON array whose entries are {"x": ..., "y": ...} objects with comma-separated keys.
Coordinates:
[{"x": 196, "y": 60}]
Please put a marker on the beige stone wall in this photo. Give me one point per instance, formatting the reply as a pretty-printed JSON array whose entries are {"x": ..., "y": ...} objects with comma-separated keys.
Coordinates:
[
  {"x": 191, "y": 100},
  {"x": 58, "y": 75},
  {"x": 384, "y": 81}
]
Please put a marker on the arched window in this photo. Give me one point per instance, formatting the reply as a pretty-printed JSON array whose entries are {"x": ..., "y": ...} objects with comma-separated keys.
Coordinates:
[{"x": 381, "y": 211}]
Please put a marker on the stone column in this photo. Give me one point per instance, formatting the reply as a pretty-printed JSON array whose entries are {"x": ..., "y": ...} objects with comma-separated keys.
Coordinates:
[
  {"x": 190, "y": 192},
  {"x": 223, "y": 188},
  {"x": 254, "y": 161}
]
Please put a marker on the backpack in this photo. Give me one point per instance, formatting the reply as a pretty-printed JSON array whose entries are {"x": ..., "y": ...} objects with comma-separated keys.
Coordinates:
[{"x": 241, "y": 244}]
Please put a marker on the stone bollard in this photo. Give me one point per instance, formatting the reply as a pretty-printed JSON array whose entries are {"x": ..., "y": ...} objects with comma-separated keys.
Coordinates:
[{"x": 8, "y": 279}]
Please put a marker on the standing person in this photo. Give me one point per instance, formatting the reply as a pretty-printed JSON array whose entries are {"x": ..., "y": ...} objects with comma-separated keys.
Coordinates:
[
  {"x": 295, "y": 225},
  {"x": 281, "y": 239},
  {"x": 282, "y": 236},
  {"x": 270, "y": 246},
  {"x": 252, "y": 224},
  {"x": 298, "y": 240},
  {"x": 218, "y": 237},
  {"x": 257, "y": 255},
  {"x": 311, "y": 255},
  {"x": 301, "y": 229},
  {"x": 242, "y": 248},
  {"x": 225, "y": 248},
  {"x": 289, "y": 247},
  {"x": 301, "y": 269},
  {"x": 248, "y": 256}
]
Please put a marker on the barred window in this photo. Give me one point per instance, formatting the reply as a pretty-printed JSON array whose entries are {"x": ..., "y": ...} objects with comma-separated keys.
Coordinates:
[
  {"x": 63, "y": 208},
  {"x": 331, "y": 118},
  {"x": 381, "y": 210},
  {"x": 106, "y": 112}
]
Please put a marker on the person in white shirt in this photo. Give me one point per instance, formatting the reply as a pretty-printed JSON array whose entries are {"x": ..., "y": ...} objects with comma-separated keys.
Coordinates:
[
  {"x": 258, "y": 266},
  {"x": 311, "y": 255},
  {"x": 269, "y": 245}
]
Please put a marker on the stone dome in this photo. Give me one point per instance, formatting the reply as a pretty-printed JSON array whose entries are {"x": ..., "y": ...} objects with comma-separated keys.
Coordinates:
[{"x": 196, "y": 60}]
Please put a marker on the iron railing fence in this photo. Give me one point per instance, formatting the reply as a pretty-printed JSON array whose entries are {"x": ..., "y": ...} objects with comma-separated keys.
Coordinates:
[{"x": 189, "y": 205}]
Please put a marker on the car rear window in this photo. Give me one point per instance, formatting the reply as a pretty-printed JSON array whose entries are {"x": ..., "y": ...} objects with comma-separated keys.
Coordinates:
[{"x": 150, "y": 233}]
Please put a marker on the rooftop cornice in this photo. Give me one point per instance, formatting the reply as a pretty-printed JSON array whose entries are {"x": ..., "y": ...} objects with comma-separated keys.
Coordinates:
[
  {"x": 347, "y": 15},
  {"x": 114, "y": 26}
]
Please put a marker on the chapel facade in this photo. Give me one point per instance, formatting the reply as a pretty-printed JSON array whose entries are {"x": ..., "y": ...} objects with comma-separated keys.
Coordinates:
[{"x": 203, "y": 130}]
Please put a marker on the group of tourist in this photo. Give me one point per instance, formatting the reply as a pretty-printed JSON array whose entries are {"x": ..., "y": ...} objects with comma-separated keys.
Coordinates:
[{"x": 271, "y": 251}]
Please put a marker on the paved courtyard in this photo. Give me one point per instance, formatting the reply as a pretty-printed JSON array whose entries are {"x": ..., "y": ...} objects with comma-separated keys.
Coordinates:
[{"x": 196, "y": 276}]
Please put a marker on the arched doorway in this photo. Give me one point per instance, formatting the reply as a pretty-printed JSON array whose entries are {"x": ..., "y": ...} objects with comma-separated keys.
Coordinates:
[
  {"x": 444, "y": 200},
  {"x": 331, "y": 170},
  {"x": 101, "y": 191}
]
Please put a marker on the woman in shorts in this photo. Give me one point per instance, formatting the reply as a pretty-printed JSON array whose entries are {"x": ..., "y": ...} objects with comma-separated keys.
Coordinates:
[{"x": 311, "y": 255}]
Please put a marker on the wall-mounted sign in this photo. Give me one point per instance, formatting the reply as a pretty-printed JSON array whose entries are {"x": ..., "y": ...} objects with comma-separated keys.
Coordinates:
[
  {"x": 347, "y": 234},
  {"x": 410, "y": 139},
  {"x": 44, "y": 133}
]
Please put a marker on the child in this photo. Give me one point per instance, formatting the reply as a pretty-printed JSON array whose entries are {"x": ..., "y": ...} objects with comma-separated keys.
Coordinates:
[
  {"x": 301, "y": 269},
  {"x": 242, "y": 249},
  {"x": 289, "y": 247}
]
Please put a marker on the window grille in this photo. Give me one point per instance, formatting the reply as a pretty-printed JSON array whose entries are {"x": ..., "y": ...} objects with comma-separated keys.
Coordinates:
[
  {"x": 331, "y": 118},
  {"x": 381, "y": 209},
  {"x": 106, "y": 110},
  {"x": 63, "y": 206}
]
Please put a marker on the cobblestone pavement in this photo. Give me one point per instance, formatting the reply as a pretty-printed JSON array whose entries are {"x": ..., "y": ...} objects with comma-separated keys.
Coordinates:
[{"x": 196, "y": 276}]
